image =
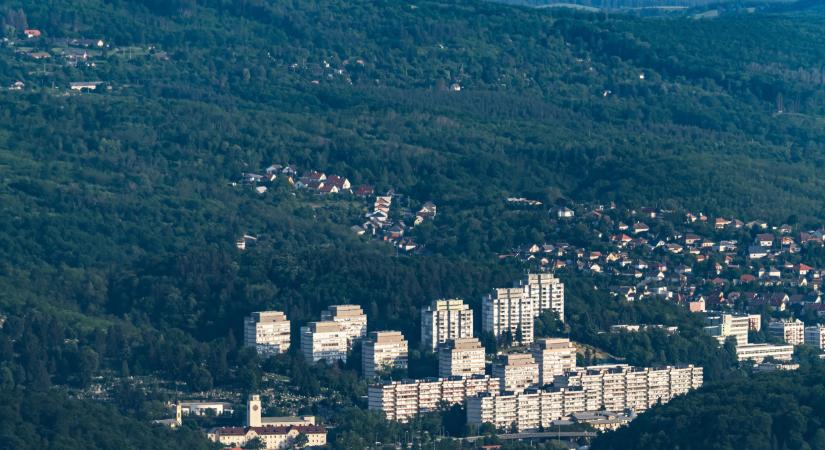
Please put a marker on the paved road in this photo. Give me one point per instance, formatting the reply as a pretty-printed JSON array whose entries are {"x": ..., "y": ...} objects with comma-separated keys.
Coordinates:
[{"x": 539, "y": 435}]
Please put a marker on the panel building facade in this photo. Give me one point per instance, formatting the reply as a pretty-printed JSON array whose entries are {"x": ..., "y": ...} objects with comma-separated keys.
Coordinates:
[
  {"x": 546, "y": 291},
  {"x": 324, "y": 341},
  {"x": 383, "y": 351},
  {"x": 508, "y": 311},
  {"x": 554, "y": 356},
  {"x": 790, "y": 331},
  {"x": 517, "y": 372},
  {"x": 815, "y": 336},
  {"x": 461, "y": 357},
  {"x": 443, "y": 320},
  {"x": 352, "y": 319},
  {"x": 592, "y": 389},
  {"x": 403, "y": 400},
  {"x": 268, "y": 332}
]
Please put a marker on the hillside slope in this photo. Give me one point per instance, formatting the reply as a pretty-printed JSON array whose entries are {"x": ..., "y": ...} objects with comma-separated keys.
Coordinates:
[
  {"x": 122, "y": 197},
  {"x": 121, "y": 215},
  {"x": 781, "y": 410}
]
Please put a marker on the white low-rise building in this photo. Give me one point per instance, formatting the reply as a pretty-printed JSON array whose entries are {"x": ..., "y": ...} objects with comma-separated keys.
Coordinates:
[
  {"x": 773, "y": 367},
  {"x": 758, "y": 352},
  {"x": 205, "y": 408}
]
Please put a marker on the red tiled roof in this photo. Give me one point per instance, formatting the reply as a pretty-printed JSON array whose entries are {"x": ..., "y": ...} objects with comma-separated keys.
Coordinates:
[
  {"x": 270, "y": 430},
  {"x": 336, "y": 181}
]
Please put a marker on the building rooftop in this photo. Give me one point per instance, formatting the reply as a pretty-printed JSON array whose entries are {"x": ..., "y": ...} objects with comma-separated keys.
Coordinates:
[
  {"x": 269, "y": 430},
  {"x": 462, "y": 344},
  {"x": 386, "y": 337},
  {"x": 269, "y": 316},
  {"x": 516, "y": 359},
  {"x": 323, "y": 327}
]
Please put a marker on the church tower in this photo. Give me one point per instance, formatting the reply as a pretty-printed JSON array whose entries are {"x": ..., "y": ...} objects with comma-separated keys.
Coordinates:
[{"x": 253, "y": 411}]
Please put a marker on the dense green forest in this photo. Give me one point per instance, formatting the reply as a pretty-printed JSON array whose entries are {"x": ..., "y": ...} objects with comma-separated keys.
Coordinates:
[
  {"x": 667, "y": 5},
  {"x": 119, "y": 221},
  {"x": 50, "y": 421},
  {"x": 769, "y": 411}
]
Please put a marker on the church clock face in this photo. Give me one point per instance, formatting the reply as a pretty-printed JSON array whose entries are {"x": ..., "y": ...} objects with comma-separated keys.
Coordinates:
[{"x": 254, "y": 407}]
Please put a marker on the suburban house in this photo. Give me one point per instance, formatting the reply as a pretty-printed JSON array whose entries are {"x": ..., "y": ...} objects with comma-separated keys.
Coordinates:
[
  {"x": 85, "y": 85},
  {"x": 639, "y": 227}
]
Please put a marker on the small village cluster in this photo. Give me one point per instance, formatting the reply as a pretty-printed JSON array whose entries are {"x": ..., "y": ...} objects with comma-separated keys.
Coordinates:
[
  {"x": 326, "y": 70},
  {"x": 311, "y": 180},
  {"x": 380, "y": 222},
  {"x": 539, "y": 375},
  {"x": 32, "y": 45},
  {"x": 387, "y": 221},
  {"x": 72, "y": 52}
]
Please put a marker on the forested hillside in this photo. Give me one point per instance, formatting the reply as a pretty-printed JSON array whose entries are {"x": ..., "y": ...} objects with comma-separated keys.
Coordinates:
[
  {"x": 117, "y": 243},
  {"x": 667, "y": 5},
  {"x": 48, "y": 421},
  {"x": 781, "y": 410}
]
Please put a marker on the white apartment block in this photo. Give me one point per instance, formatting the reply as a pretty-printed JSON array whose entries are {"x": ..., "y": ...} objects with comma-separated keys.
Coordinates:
[
  {"x": 352, "y": 319},
  {"x": 383, "y": 351},
  {"x": 615, "y": 388},
  {"x": 403, "y": 400},
  {"x": 758, "y": 352},
  {"x": 724, "y": 325},
  {"x": 517, "y": 372},
  {"x": 267, "y": 332},
  {"x": 508, "y": 310},
  {"x": 443, "y": 320},
  {"x": 522, "y": 411},
  {"x": 815, "y": 336},
  {"x": 790, "y": 331},
  {"x": 546, "y": 291},
  {"x": 461, "y": 357},
  {"x": 554, "y": 356},
  {"x": 324, "y": 341}
]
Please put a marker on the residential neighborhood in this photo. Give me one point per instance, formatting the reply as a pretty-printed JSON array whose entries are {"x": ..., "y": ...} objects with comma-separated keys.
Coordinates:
[
  {"x": 45, "y": 55},
  {"x": 391, "y": 217},
  {"x": 692, "y": 261}
]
